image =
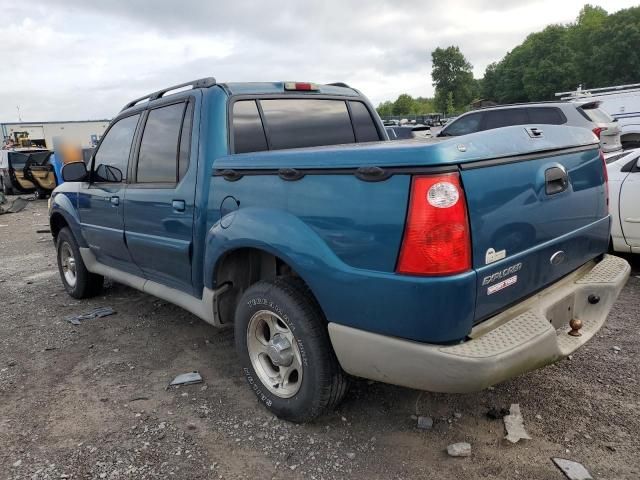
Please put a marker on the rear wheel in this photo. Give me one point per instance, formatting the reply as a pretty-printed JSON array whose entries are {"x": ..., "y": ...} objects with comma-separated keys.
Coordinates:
[
  {"x": 77, "y": 280},
  {"x": 284, "y": 348}
]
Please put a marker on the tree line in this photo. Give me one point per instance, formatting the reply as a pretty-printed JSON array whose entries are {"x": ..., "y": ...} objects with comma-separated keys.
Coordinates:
[{"x": 597, "y": 50}]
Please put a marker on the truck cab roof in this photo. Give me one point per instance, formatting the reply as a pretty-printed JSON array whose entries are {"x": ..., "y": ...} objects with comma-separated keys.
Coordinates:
[{"x": 250, "y": 88}]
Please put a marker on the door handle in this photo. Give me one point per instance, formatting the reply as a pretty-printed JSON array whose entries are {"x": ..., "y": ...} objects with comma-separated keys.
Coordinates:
[
  {"x": 178, "y": 205},
  {"x": 556, "y": 180},
  {"x": 115, "y": 201},
  {"x": 632, "y": 220}
]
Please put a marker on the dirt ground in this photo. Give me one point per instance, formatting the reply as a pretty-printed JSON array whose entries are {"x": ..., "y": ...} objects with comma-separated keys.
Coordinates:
[{"x": 91, "y": 401}]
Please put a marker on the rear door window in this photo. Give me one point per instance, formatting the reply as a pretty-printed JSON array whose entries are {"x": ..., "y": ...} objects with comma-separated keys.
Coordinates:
[
  {"x": 295, "y": 123},
  {"x": 112, "y": 157},
  {"x": 248, "y": 132},
  {"x": 505, "y": 118},
  {"x": 158, "y": 157},
  {"x": 546, "y": 115},
  {"x": 363, "y": 125}
]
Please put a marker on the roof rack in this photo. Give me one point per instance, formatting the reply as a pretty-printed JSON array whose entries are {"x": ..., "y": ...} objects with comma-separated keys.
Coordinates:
[
  {"x": 199, "y": 83},
  {"x": 580, "y": 92},
  {"x": 339, "y": 84}
]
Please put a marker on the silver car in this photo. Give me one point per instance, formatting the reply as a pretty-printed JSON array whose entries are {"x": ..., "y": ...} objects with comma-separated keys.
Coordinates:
[{"x": 578, "y": 114}]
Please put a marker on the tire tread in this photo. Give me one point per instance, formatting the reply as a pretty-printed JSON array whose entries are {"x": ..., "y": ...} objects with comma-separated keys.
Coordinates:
[{"x": 333, "y": 382}]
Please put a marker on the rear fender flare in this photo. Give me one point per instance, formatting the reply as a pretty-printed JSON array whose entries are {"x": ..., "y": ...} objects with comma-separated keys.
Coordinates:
[{"x": 278, "y": 233}]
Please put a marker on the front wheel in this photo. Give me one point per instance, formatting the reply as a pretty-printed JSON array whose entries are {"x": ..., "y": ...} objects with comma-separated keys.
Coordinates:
[
  {"x": 77, "y": 280},
  {"x": 286, "y": 354}
]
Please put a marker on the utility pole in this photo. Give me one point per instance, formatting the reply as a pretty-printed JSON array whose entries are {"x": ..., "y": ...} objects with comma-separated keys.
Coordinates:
[{"x": 19, "y": 117}]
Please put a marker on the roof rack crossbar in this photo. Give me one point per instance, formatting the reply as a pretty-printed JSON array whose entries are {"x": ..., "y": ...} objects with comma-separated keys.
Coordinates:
[
  {"x": 199, "y": 83},
  {"x": 587, "y": 91}
]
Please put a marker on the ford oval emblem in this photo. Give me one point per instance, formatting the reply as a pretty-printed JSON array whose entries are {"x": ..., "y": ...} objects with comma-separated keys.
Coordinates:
[{"x": 558, "y": 258}]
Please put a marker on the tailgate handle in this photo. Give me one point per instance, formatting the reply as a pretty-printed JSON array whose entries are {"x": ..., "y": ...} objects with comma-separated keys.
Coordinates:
[{"x": 556, "y": 180}]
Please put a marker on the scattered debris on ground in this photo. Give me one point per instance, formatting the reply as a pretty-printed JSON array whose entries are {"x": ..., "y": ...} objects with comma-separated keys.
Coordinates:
[
  {"x": 572, "y": 470},
  {"x": 95, "y": 313},
  {"x": 186, "y": 379},
  {"x": 14, "y": 207},
  {"x": 514, "y": 424},
  {"x": 460, "y": 449},
  {"x": 425, "y": 423}
]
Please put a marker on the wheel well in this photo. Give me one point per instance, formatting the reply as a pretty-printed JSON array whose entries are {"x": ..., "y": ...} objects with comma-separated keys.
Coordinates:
[
  {"x": 242, "y": 268},
  {"x": 57, "y": 223}
]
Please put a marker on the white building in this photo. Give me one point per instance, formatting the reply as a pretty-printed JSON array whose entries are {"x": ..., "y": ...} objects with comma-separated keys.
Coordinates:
[{"x": 41, "y": 134}]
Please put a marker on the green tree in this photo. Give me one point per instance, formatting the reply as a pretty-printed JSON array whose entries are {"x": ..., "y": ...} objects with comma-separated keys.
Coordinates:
[
  {"x": 597, "y": 50},
  {"x": 403, "y": 105},
  {"x": 385, "y": 109},
  {"x": 450, "y": 108},
  {"x": 451, "y": 73}
]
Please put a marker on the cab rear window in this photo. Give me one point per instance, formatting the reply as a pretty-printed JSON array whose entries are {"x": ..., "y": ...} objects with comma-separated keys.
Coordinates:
[{"x": 278, "y": 124}]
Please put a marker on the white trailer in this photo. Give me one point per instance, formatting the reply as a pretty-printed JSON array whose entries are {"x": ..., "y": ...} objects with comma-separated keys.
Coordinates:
[{"x": 622, "y": 102}]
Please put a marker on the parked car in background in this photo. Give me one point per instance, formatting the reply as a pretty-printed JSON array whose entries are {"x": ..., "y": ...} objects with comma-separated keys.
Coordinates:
[
  {"x": 624, "y": 195},
  {"x": 408, "y": 131},
  {"x": 576, "y": 114},
  {"x": 622, "y": 102},
  {"x": 278, "y": 209},
  {"x": 15, "y": 176}
]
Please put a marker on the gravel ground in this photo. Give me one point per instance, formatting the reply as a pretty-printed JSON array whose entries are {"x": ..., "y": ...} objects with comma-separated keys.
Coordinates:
[{"x": 91, "y": 401}]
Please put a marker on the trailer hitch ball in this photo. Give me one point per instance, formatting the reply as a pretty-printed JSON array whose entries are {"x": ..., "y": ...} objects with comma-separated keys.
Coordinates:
[{"x": 576, "y": 325}]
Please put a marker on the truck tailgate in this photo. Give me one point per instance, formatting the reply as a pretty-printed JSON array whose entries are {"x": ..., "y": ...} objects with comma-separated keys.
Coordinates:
[{"x": 533, "y": 220}]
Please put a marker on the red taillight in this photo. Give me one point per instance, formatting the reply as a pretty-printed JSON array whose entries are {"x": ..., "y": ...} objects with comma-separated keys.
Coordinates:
[
  {"x": 606, "y": 177},
  {"x": 301, "y": 86},
  {"x": 436, "y": 237},
  {"x": 597, "y": 131}
]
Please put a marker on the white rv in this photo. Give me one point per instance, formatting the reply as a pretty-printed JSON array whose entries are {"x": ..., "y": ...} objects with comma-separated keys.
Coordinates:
[{"x": 622, "y": 102}]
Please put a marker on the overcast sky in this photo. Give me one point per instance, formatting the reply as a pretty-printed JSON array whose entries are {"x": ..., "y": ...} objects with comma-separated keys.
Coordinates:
[{"x": 83, "y": 59}]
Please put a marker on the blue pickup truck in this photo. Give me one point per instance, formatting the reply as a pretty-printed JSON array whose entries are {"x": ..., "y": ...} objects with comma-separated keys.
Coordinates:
[{"x": 283, "y": 211}]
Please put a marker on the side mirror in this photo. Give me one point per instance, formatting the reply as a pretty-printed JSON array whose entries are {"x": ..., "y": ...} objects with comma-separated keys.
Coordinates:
[{"x": 74, "y": 172}]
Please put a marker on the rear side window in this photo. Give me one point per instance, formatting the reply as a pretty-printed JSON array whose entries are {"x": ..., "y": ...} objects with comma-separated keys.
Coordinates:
[
  {"x": 546, "y": 115},
  {"x": 463, "y": 125},
  {"x": 295, "y": 123},
  {"x": 248, "y": 133},
  {"x": 363, "y": 125},
  {"x": 505, "y": 118},
  {"x": 112, "y": 157},
  {"x": 594, "y": 114},
  {"x": 157, "y": 160}
]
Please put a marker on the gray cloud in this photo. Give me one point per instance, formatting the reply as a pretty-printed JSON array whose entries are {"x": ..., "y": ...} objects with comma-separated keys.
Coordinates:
[{"x": 75, "y": 59}]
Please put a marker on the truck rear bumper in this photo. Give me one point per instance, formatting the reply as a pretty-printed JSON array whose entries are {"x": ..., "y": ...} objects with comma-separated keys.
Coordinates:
[{"x": 527, "y": 336}]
